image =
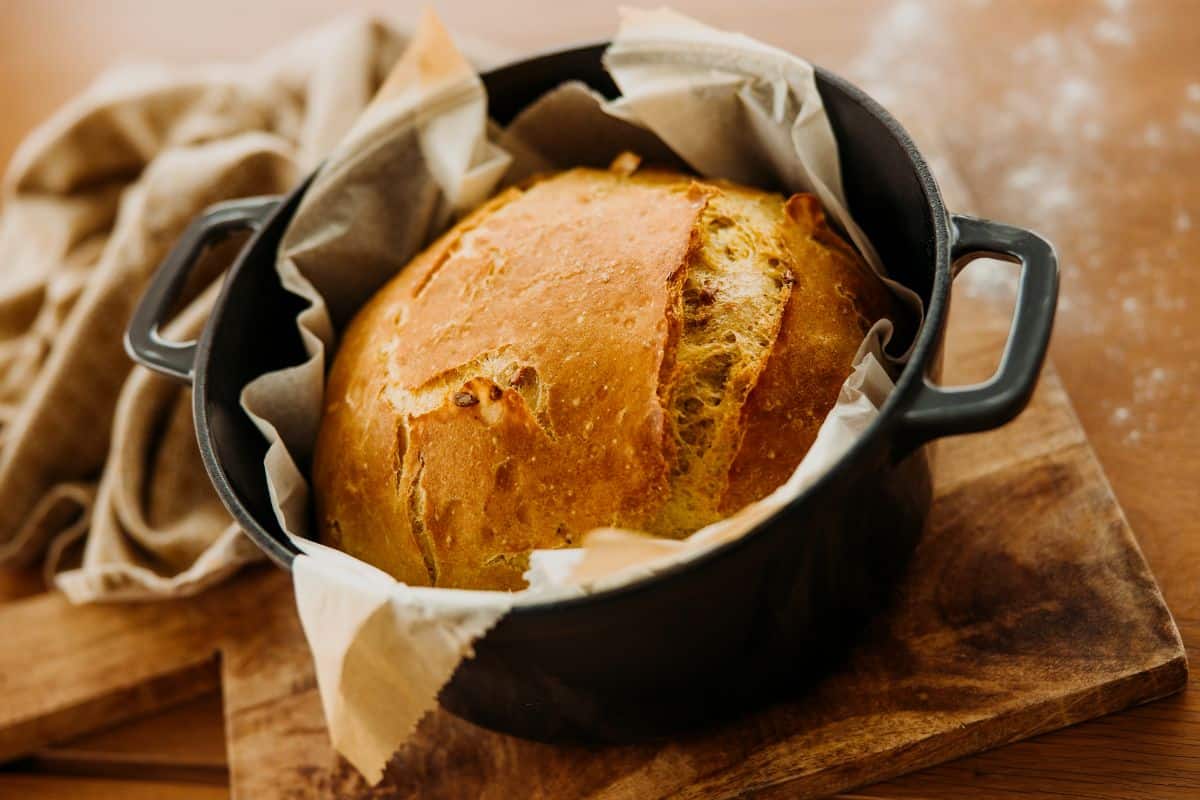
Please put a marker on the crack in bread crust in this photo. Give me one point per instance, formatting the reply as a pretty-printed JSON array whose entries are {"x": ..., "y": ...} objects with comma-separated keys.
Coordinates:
[
  {"x": 834, "y": 302},
  {"x": 501, "y": 366},
  {"x": 736, "y": 284},
  {"x": 416, "y": 516}
]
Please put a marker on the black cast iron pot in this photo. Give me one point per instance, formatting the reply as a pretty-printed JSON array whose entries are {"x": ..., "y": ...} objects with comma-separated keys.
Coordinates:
[{"x": 763, "y": 614}]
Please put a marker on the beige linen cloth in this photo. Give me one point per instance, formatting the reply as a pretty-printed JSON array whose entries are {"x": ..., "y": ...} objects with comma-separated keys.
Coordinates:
[{"x": 92, "y": 448}]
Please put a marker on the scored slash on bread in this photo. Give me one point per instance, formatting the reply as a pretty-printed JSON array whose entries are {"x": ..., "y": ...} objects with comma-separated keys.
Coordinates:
[{"x": 624, "y": 348}]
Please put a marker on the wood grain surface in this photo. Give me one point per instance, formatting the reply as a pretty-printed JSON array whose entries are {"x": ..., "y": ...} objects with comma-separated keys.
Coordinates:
[
  {"x": 1028, "y": 607},
  {"x": 1075, "y": 118}
]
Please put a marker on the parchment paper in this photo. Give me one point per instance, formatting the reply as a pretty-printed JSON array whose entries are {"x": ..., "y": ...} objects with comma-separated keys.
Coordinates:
[{"x": 725, "y": 105}]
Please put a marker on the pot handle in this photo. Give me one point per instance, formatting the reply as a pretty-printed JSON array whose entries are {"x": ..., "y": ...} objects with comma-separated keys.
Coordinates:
[
  {"x": 142, "y": 340},
  {"x": 936, "y": 411}
]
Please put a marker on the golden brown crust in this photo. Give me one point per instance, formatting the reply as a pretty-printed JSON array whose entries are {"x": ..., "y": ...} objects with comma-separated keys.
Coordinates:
[
  {"x": 535, "y": 372},
  {"x": 833, "y": 303},
  {"x": 540, "y": 291}
]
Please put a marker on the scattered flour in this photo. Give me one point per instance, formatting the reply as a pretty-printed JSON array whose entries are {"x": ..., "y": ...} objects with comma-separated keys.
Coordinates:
[
  {"x": 1092, "y": 130},
  {"x": 909, "y": 17},
  {"x": 886, "y": 67},
  {"x": 1069, "y": 104},
  {"x": 1044, "y": 46},
  {"x": 1190, "y": 121},
  {"x": 1057, "y": 82},
  {"x": 1112, "y": 32},
  {"x": 1026, "y": 177},
  {"x": 1139, "y": 417},
  {"x": 1043, "y": 184},
  {"x": 1166, "y": 300},
  {"x": 1076, "y": 92},
  {"x": 989, "y": 278},
  {"x": 1148, "y": 387}
]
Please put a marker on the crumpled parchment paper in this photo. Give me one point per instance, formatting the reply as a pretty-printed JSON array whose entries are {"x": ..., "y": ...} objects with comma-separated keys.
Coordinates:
[{"x": 424, "y": 152}]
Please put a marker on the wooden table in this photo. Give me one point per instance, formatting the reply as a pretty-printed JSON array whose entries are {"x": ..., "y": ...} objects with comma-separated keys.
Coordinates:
[{"x": 1080, "y": 120}]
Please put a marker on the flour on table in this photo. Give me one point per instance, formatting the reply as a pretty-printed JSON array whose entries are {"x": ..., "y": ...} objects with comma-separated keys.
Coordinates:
[
  {"x": 1111, "y": 32},
  {"x": 1190, "y": 121},
  {"x": 1060, "y": 82},
  {"x": 1069, "y": 106}
]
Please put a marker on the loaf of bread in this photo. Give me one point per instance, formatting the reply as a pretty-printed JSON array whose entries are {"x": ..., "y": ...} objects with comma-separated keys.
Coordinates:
[{"x": 638, "y": 349}]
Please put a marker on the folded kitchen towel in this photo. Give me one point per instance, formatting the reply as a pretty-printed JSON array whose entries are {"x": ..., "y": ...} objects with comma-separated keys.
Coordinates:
[{"x": 92, "y": 448}]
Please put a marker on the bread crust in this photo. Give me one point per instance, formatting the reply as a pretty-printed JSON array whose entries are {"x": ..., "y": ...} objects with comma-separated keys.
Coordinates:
[
  {"x": 834, "y": 301},
  {"x": 521, "y": 381}
]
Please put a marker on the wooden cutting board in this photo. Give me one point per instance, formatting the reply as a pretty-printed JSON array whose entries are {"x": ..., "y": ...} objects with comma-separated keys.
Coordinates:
[{"x": 1028, "y": 607}]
